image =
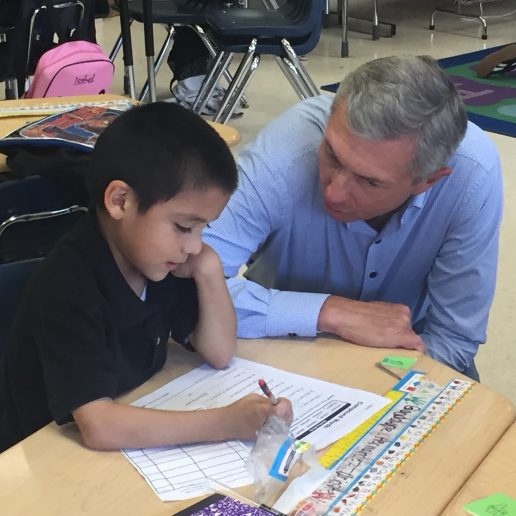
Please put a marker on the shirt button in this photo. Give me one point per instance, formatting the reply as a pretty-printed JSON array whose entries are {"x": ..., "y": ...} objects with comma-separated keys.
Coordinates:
[{"x": 373, "y": 274}]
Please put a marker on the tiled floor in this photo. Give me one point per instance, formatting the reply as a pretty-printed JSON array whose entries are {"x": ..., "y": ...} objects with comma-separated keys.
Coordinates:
[{"x": 269, "y": 93}]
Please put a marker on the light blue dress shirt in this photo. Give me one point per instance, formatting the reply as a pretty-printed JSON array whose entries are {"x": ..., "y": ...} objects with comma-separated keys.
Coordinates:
[{"x": 438, "y": 256}]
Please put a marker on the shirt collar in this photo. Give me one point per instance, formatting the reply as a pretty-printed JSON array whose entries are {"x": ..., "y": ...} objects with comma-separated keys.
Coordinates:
[{"x": 414, "y": 205}]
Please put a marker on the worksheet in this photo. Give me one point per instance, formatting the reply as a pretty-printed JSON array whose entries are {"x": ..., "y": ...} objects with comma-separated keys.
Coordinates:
[{"x": 323, "y": 412}]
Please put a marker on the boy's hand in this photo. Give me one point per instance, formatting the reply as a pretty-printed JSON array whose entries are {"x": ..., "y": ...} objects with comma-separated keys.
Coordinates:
[
  {"x": 203, "y": 263},
  {"x": 249, "y": 413}
]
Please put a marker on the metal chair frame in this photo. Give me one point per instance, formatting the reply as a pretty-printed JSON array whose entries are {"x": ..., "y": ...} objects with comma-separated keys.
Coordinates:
[
  {"x": 287, "y": 60},
  {"x": 376, "y": 24},
  {"x": 12, "y": 84},
  {"x": 165, "y": 48},
  {"x": 64, "y": 5},
  {"x": 29, "y": 217},
  {"x": 289, "y": 64},
  {"x": 458, "y": 12}
]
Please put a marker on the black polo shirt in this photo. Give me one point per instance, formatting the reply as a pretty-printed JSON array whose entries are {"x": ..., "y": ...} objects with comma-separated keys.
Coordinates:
[{"x": 82, "y": 334}]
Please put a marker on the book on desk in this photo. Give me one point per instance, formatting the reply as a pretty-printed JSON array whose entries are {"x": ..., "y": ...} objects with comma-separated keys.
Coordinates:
[{"x": 77, "y": 128}]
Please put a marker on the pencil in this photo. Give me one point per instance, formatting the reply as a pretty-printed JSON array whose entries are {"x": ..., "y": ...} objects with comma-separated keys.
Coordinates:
[{"x": 265, "y": 388}]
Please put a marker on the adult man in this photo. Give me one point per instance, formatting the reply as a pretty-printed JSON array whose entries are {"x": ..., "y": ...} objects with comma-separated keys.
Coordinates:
[{"x": 366, "y": 218}]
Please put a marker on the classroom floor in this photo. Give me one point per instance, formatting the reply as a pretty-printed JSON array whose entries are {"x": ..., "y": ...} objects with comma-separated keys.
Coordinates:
[{"x": 269, "y": 93}]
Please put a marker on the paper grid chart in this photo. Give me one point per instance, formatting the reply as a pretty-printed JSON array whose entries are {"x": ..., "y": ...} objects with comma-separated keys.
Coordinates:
[{"x": 322, "y": 412}]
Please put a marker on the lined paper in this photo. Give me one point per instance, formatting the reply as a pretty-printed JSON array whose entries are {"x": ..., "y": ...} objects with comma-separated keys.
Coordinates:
[{"x": 323, "y": 412}]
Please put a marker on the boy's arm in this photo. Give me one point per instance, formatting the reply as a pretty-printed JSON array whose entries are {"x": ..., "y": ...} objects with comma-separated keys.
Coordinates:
[
  {"x": 214, "y": 336},
  {"x": 108, "y": 425}
]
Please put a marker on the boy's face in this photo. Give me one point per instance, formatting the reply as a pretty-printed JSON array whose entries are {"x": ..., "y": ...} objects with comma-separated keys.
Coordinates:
[{"x": 152, "y": 244}]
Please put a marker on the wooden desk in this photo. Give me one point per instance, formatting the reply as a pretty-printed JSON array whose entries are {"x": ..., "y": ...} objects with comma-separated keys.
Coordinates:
[
  {"x": 496, "y": 474},
  {"x": 50, "y": 473},
  {"x": 230, "y": 136}
]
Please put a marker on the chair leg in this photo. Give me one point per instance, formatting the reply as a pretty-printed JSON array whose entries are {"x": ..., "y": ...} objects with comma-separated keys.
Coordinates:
[
  {"x": 376, "y": 27},
  {"x": 125, "y": 29},
  {"x": 221, "y": 62},
  {"x": 480, "y": 17},
  {"x": 305, "y": 76},
  {"x": 240, "y": 75},
  {"x": 344, "y": 45},
  {"x": 223, "y": 116},
  {"x": 116, "y": 48},
  {"x": 213, "y": 52},
  {"x": 270, "y": 4},
  {"x": 11, "y": 89},
  {"x": 169, "y": 41},
  {"x": 290, "y": 73}
]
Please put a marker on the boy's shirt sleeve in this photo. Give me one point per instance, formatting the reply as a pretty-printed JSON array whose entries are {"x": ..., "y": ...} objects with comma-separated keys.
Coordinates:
[{"x": 77, "y": 364}]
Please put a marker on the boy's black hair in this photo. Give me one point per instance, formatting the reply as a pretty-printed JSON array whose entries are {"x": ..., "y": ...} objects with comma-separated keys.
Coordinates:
[{"x": 159, "y": 150}]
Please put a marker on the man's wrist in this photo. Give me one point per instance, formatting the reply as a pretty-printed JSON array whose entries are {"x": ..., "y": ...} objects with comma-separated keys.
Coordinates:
[{"x": 324, "y": 324}]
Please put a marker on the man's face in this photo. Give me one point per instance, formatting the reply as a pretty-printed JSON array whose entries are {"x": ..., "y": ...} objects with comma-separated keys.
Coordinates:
[{"x": 361, "y": 178}]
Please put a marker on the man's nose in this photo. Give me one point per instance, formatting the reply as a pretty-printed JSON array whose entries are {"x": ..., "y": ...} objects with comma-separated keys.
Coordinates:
[{"x": 337, "y": 189}]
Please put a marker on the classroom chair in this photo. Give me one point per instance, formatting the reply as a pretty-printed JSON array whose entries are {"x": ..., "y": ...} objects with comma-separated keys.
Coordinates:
[
  {"x": 291, "y": 30},
  {"x": 30, "y": 30},
  {"x": 33, "y": 235},
  {"x": 34, "y": 213},
  {"x": 24, "y": 241},
  {"x": 13, "y": 280},
  {"x": 169, "y": 14},
  {"x": 456, "y": 8}
]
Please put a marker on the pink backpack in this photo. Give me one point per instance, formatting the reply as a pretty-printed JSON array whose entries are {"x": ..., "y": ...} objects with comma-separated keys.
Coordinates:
[{"x": 73, "y": 68}]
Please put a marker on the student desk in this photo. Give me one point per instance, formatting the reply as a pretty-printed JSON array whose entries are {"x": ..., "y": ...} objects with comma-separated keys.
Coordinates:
[
  {"x": 231, "y": 136},
  {"x": 51, "y": 473},
  {"x": 496, "y": 474}
]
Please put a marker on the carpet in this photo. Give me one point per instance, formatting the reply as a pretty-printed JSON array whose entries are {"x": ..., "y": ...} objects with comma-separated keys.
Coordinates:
[{"x": 490, "y": 102}]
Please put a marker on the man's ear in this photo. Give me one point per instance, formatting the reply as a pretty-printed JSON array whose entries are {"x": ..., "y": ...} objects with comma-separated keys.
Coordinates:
[
  {"x": 425, "y": 184},
  {"x": 118, "y": 197}
]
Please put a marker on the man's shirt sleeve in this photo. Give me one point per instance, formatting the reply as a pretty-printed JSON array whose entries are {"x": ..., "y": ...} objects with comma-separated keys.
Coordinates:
[
  {"x": 263, "y": 312},
  {"x": 262, "y": 205}
]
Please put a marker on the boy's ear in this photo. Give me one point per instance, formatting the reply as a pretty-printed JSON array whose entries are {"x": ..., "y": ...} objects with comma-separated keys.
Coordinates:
[{"x": 118, "y": 197}]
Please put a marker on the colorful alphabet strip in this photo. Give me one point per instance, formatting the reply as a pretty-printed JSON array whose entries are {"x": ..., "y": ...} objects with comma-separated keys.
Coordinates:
[{"x": 377, "y": 456}]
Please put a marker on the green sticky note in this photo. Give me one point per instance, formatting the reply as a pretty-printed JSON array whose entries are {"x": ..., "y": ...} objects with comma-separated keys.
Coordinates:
[
  {"x": 399, "y": 362},
  {"x": 498, "y": 504}
]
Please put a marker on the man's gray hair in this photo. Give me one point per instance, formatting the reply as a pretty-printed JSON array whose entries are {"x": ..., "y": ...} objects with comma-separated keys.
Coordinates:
[{"x": 401, "y": 95}]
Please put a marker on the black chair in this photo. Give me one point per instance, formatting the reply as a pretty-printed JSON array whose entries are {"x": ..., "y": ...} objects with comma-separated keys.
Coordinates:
[
  {"x": 13, "y": 280},
  {"x": 33, "y": 235},
  {"x": 36, "y": 29},
  {"x": 34, "y": 213},
  {"x": 24, "y": 241},
  {"x": 291, "y": 30},
  {"x": 169, "y": 14}
]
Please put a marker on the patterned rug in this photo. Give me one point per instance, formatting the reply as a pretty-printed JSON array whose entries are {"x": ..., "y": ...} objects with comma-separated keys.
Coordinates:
[{"x": 490, "y": 102}]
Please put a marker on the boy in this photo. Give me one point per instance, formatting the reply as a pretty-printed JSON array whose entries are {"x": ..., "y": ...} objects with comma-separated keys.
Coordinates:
[{"x": 97, "y": 315}]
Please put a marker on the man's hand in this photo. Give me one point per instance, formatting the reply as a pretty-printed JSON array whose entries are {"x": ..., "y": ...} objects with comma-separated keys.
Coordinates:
[
  {"x": 373, "y": 323},
  {"x": 249, "y": 413}
]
